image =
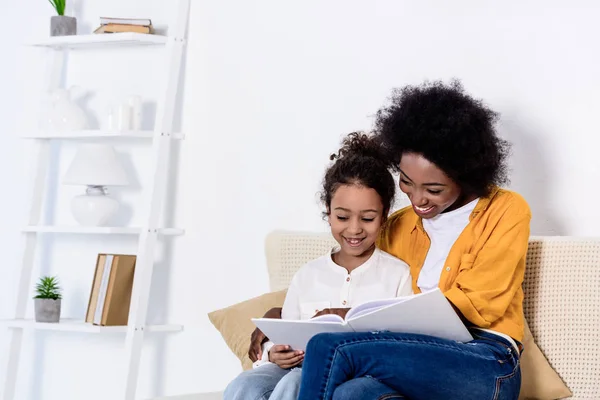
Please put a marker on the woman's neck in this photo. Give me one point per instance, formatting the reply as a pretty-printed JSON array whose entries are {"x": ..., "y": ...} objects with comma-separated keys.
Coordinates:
[
  {"x": 462, "y": 200},
  {"x": 351, "y": 262}
]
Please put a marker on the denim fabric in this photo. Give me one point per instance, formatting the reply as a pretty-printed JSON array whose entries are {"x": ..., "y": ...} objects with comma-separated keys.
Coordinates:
[
  {"x": 417, "y": 367},
  {"x": 366, "y": 388},
  {"x": 265, "y": 382}
]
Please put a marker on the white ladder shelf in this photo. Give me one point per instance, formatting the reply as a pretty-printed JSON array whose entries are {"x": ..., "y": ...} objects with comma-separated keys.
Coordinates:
[{"x": 148, "y": 234}]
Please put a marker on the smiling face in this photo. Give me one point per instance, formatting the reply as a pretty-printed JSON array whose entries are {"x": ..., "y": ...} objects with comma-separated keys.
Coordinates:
[
  {"x": 355, "y": 216},
  {"x": 429, "y": 189}
]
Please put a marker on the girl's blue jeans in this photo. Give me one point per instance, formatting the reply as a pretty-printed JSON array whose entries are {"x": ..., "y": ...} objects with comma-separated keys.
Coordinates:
[{"x": 384, "y": 365}]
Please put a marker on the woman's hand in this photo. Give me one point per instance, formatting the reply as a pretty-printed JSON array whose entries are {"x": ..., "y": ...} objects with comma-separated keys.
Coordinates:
[
  {"x": 285, "y": 357},
  {"x": 338, "y": 311},
  {"x": 258, "y": 338}
]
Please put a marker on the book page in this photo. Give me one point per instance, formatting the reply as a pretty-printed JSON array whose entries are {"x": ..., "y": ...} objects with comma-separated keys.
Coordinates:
[
  {"x": 296, "y": 333},
  {"x": 329, "y": 318},
  {"x": 373, "y": 305},
  {"x": 426, "y": 314}
]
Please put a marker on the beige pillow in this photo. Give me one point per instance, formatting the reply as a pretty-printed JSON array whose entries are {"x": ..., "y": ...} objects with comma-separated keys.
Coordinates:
[
  {"x": 539, "y": 381},
  {"x": 235, "y": 325}
]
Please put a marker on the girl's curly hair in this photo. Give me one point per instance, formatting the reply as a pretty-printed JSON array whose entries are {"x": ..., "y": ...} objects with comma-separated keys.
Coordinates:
[
  {"x": 447, "y": 127},
  {"x": 359, "y": 161}
]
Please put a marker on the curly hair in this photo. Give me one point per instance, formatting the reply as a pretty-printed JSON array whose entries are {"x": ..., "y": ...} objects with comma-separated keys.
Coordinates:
[
  {"x": 450, "y": 129},
  {"x": 359, "y": 161}
]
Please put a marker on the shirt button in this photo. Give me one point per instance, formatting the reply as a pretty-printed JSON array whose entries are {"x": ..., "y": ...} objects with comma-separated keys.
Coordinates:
[
  {"x": 344, "y": 302},
  {"x": 348, "y": 279},
  {"x": 447, "y": 268}
]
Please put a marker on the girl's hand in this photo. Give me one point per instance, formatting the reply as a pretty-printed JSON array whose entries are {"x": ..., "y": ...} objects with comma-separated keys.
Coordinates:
[
  {"x": 338, "y": 311},
  {"x": 284, "y": 357},
  {"x": 258, "y": 337}
]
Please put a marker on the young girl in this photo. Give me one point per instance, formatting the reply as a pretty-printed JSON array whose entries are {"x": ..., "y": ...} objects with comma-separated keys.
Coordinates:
[{"x": 358, "y": 190}]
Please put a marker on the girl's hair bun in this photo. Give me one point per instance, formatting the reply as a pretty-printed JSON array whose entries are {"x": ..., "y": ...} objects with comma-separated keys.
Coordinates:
[{"x": 359, "y": 144}]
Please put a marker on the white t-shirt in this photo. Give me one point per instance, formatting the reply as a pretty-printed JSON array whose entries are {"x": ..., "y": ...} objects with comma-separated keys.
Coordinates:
[
  {"x": 321, "y": 283},
  {"x": 443, "y": 230}
]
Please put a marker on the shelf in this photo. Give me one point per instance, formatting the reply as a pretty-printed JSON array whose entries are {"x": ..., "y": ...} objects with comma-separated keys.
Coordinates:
[
  {"x": 94, "y": 134},
  {"x": 73, "y": 325},
  {"x": 101, "y": 230},
  {"x": 96, "y": 40}
]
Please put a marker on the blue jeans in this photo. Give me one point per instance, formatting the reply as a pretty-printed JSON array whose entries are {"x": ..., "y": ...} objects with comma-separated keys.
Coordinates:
[
  {"x": 385, "y": 365},
  {"x": 265, "y": 382}
]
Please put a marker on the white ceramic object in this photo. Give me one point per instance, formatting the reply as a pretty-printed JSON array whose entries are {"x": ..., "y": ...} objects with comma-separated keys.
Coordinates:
[
  {"x": 64, "y": 114},
  {"x": 135, "y": 102},
  {"x": 96, "y": 165},
  {"x": 94, "y": 208},
  {"x": 124, "y": 117}
]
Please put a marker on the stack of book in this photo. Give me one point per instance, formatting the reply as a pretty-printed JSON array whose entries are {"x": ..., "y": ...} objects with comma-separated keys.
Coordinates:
[
  {"x": 115, "y": 25},
  {"x": 111, "y": 290}
]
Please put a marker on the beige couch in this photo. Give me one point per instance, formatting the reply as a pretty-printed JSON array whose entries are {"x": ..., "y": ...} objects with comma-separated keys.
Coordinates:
[{"x": 562, "y": 300}]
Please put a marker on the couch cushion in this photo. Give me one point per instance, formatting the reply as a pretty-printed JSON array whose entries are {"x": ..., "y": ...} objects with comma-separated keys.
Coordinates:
[
  {"x": 235, "y": 325},
  {"x": 538, "y": 379},
  {"x": 562, "y": 307}
]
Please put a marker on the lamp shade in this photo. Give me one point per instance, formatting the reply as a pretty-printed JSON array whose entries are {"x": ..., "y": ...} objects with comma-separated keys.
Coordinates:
[{"x": 97, "y": 165}]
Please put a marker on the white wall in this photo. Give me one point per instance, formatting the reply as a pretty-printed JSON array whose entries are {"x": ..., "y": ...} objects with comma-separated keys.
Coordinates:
[{"x": 270, "y": 88}]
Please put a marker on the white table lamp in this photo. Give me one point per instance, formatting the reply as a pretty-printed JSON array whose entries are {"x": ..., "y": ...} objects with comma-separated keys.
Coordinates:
[{"x": 96, "y": 166}]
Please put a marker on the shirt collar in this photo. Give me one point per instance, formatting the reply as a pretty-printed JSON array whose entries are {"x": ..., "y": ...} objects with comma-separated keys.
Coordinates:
[{"x": 356, "y": 271}]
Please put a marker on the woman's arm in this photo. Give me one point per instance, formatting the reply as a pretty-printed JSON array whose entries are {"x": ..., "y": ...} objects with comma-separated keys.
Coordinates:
[
  {"x": 290, "y": 310},
  {"x": 486, "y": 286},
  {"x": 258, "y": 337}
]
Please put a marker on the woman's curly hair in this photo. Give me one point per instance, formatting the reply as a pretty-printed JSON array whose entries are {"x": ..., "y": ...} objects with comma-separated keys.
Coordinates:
[
  {"x": 447, "y": 127},
  {"x": 359, "y": 161}
]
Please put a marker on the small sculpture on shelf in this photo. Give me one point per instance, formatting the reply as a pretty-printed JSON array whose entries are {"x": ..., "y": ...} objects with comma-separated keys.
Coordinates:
[
  {"x": 64, "y": 114},
  {"x": 47, "y": 301},
  {"x": 61, "y": 25}
]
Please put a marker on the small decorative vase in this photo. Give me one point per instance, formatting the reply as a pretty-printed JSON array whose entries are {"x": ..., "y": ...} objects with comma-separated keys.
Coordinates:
[
  {"x": 61, "y": 25},
  {"x": 65, "y": 114},
  {"x": 47, "y": 310}
]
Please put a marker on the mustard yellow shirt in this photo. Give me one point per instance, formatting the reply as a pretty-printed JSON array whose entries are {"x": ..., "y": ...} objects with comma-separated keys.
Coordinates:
[{"x": 484, "y": 270}]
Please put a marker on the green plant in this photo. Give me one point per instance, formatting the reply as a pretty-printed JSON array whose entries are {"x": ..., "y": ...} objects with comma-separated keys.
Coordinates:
[
  {"x": 59, "y": 6},
  {"x": 47, "y": 288}
]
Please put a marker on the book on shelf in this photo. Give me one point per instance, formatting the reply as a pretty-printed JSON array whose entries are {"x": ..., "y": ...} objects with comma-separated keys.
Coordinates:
[
  {"x": 427, "y": 313},
  {"x": 110, "y": 295},
  {"x": 116, "y": 25},
  {"x": 125, "y": 21}
]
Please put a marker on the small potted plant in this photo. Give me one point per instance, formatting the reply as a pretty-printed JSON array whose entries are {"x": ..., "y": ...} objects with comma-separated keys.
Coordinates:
[
  {"x": 47, "y": 300},
  {"x": 61, "y": 25}
]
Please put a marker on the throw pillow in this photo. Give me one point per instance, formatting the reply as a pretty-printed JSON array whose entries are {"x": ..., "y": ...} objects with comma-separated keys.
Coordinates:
[
  {"x": 539, "y": 381},
  {"x": 235, "y": 325}
]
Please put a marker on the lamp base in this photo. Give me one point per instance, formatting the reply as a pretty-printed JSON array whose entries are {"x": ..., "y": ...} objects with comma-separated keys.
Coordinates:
[{"x": 94, "y": 208}]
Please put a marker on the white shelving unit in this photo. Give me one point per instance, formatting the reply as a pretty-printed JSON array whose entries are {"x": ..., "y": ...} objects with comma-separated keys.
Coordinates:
[
  {"x": 73, "y": 325},
  {"x": 147, "y": 234},
  {"x": 113, "y": 39},
  {"x": 100, "y": 230},
  {"x": 94, "y": 134}
]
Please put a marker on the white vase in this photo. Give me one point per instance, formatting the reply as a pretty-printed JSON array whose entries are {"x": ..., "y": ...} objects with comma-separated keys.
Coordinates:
[
  {"x": 64, "y": 114},
  {"x": 95, "y": 208}
]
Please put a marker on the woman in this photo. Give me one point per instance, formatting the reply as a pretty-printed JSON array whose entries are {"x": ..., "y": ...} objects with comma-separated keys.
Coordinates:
[{"x": 462, "y": 234}]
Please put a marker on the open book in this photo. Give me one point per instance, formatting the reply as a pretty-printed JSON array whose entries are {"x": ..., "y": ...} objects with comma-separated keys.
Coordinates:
[{"x": 424, "y": 313}]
